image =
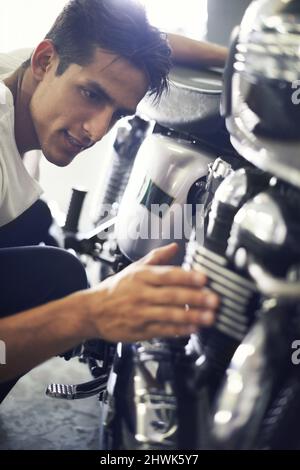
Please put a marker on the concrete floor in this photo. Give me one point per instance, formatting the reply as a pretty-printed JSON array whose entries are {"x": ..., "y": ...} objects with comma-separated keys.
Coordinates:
[{"x": 31, "y": 420}]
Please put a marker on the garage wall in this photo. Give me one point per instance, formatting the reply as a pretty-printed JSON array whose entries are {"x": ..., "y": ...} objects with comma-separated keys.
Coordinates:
[
  {"x": 25, "y": 22},
  {"x": 223, "y": 16}
]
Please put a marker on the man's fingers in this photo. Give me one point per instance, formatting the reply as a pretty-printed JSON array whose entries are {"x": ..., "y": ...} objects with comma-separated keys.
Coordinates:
[
  {"x": 173, "y": 276},
  {"x": 179, "y": 315},
  {"x": 181, "y": 296},
  {"x": 161, "y": 255}
]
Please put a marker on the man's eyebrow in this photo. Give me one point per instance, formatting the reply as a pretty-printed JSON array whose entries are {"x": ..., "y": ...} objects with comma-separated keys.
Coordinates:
[{"x": 99, "y": 90}]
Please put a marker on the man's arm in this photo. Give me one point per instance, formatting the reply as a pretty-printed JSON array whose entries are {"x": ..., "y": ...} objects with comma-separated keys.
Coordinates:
[
  {"x": 188, "y": 51},
  {"x": 141, "y": 302},
  {"x": 37, "y": 334}
]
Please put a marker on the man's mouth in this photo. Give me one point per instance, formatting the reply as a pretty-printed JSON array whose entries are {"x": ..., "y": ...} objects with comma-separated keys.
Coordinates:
[{"x": 75, "y": 143}]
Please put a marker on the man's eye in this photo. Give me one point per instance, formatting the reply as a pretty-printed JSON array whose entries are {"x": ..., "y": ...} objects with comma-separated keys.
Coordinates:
[{"x": 90, "y": 95}]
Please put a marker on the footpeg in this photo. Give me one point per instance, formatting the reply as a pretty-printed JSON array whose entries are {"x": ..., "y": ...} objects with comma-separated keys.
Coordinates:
[{"x": 77, "y": 392}]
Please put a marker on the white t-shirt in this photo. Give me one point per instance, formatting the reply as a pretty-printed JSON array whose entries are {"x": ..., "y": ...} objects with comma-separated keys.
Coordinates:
[{"x": 18, "y": 190}]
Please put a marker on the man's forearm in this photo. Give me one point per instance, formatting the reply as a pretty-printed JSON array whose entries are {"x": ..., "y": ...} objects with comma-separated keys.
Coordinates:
[
  {"x": 143, "y": 301},
  {"x": 188, "y": 51},
  {"x": 33, "y": 336}
]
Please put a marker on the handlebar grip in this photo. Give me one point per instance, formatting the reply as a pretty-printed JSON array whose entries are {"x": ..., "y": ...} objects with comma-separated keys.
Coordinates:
[{"x": 74, "y": 211}]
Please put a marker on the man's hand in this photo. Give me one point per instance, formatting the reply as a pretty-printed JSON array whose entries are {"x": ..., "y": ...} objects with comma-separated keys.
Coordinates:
[{"x": 146, "y": 301}]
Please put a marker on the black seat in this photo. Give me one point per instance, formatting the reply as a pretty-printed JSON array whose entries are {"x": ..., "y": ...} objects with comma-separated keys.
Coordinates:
[{"x": 192, "y": 104}]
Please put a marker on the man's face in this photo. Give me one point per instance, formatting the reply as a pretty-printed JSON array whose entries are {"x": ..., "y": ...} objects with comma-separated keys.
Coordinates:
[{"x": 72, "y": 111}]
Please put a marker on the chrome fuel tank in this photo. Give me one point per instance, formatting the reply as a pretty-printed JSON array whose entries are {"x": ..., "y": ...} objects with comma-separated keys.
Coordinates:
[{"x": 154, "y": 209}]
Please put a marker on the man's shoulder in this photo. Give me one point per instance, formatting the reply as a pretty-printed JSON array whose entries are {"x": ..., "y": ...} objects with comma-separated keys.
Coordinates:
[
  {"x": 6, "y": 100},
  {"x": 10, "y": 61},
  {"x": 6, "y": 119}
]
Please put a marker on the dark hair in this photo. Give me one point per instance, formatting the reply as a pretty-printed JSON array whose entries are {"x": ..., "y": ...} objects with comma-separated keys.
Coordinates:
[{"x": 119, "y": 26}]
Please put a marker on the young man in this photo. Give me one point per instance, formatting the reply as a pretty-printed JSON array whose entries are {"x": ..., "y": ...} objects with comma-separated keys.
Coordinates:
[{"x": 95, "y": 65}]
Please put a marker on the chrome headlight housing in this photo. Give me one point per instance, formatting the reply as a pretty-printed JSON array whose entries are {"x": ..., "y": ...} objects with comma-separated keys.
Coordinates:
[{"x": 262, "y": 85}]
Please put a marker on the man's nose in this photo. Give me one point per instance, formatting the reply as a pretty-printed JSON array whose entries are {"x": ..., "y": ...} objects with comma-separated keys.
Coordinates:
[{"x": 97, "y": 125}]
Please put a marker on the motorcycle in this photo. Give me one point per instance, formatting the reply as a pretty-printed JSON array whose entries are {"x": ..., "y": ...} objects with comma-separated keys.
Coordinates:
[{"x": 233, "y": 385}]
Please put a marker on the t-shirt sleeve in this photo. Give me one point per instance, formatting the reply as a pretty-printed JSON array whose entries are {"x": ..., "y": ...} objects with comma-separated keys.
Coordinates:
[{"x": 2, "y": 189}]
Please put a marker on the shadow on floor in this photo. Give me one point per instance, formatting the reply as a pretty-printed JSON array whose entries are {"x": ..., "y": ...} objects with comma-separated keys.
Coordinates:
[{"x": 30, "y": 420}]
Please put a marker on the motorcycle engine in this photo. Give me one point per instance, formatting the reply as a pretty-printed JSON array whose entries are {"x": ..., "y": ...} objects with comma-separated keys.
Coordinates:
[{"x": 256, "y": 406}]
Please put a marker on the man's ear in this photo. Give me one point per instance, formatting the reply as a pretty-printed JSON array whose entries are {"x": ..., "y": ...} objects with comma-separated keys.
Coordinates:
[{"x": 43, "y": 58}]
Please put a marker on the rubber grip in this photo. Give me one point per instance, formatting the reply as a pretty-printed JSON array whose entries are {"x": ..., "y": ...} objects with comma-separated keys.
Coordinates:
[{"x": 74, "y": 211}]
